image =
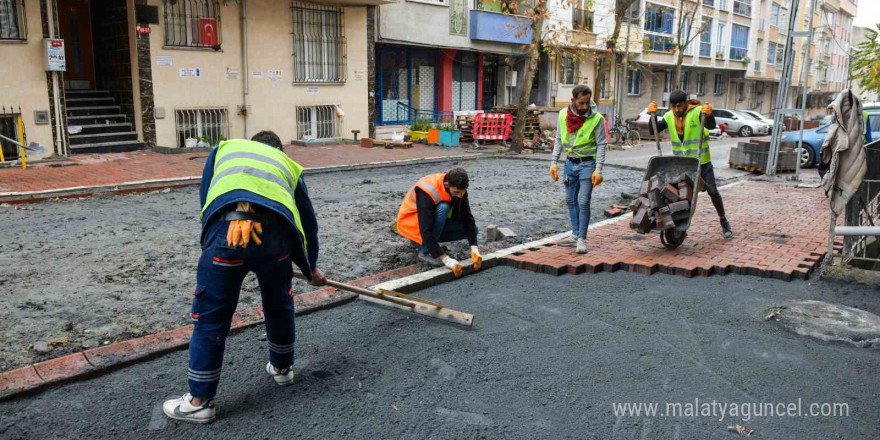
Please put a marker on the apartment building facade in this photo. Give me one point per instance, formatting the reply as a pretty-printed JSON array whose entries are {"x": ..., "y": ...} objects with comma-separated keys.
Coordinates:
[{"x": 177, "y": 73}]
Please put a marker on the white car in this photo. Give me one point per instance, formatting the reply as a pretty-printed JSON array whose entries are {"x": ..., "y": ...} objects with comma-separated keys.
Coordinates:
[
  {"x": 738, "y": 123},
  {"x": 759, "y": 117}
]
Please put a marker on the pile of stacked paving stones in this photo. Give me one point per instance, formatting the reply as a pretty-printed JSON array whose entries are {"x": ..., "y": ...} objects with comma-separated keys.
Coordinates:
[{"x": 664, "y": 205}]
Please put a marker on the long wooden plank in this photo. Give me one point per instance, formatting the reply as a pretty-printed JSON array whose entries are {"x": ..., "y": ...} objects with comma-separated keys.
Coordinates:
[{"x": 406, "y": 302}]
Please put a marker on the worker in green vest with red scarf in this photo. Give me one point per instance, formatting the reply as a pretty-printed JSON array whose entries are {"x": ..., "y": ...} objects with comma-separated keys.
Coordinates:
[
  {"x": 581, "y": 132},
  {"x": 683, "y": 122}
]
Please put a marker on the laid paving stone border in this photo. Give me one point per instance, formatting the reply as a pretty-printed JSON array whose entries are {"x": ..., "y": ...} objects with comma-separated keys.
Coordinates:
[{"x": 102, "y": 360}]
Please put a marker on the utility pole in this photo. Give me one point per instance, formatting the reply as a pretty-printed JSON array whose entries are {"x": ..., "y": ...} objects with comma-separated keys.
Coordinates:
[
  {"x": 804, "y": 78},
  {"x": 622, "y": 92}
]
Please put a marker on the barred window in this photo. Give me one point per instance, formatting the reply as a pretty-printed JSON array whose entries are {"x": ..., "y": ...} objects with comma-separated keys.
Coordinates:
[
  {"x": 192, "y": 23},
  {"x": 582, "y": 16},
  {"x": 13, "y": 25},
  {"x": 318, "y": 44},
  {"x": 201, "y": 126},
  {"x": 569, "y": 70},
  {"x": 316, "y": 122},
  {"x": 9, "y": 127}
]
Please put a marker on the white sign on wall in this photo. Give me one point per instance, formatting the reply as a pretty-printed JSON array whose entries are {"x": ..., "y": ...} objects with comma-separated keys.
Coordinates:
[
  {"x": 164, "y": 60},
  {"x": 232, "y": 73},
  {"x": 312, "y": 89},
  {"x": 55, "y": 60},
  {"x": 257, "y": 74},
  {"x": 190, "y": 72},
  {"x": 275, "y": 74}
]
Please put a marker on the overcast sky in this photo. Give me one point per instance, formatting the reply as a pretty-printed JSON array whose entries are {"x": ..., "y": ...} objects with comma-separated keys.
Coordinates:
[{"x": 869, "y": 13}]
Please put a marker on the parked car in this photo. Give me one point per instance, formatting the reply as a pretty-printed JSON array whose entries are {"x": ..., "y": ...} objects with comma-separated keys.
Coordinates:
[
  {"x": 815, "y": 137},
  {"x": 643, "y": 120},
  {"x": 738, "y": 123},
  {"x": 759, "y": 117}
]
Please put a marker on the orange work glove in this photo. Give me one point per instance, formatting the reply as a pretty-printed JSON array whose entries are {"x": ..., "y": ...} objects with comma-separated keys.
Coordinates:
[
  {"x": 597, "y": 177},
  {"x": 707, "y": 109},
  {"x": 241, "y": 232},
  {"x": 554, "y": 172},
  {"x": 453, "y": 265},
  {"x": 476, "y": 257},
  {"x": 652, "y": 107}
]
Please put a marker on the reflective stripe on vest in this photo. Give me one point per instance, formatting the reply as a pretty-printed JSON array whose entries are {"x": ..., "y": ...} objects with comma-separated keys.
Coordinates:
[
  {"x": 257, "y": 168},
  {"x": 690, "y": 146},
  {"x": 585, "y": 140},
  {"x": 408, "y": 215}
]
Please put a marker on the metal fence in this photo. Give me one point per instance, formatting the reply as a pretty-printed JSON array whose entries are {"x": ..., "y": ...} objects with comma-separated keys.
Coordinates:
[
  {"x": 192, "y": 23},
  {"x": 11, "y": 127},
  {"x": 408, "y": 114},
  {"x": 864, "y": 210},
  {"x": 13, "y": 25},
  {"x": 316, "y": 122},
  {"x": 319, "y": 54},
  {"x": 201, "y": 126}
]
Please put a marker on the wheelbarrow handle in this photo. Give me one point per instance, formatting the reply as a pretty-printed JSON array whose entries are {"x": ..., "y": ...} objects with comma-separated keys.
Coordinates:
[{"x": 656, "y": 134}]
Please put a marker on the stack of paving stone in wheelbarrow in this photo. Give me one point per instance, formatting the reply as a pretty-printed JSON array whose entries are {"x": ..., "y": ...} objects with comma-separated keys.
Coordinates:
[{"x": 664, "y": 205}]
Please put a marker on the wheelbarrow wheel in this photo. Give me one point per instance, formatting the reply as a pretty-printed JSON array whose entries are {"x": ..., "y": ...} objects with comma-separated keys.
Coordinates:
[{"x": 672, "y": 238}]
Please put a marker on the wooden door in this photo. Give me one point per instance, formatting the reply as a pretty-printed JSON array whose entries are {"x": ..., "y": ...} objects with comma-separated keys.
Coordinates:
[{"x": 75, "y": 21}]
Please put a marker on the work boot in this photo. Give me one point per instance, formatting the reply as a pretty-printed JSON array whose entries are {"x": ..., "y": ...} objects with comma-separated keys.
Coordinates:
[
  {"x": 725, "y": 228},
  {"x": 182, "y": 409},
  {"x": 428, "y": 259},
  {"x": 569, "y": 241},
  {"x": 581, "y": 246},
  {"x": 282, "y": 377}
]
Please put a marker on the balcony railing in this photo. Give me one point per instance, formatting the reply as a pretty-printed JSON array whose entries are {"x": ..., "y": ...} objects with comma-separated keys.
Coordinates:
[{"x": 742, "y": 7}]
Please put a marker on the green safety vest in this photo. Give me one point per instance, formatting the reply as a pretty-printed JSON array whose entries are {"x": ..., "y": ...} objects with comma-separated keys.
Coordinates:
[
  {"x": 584, "y": 140},
  {"x": 690, "y": 146},
  {"x": 241, "y": 164}
]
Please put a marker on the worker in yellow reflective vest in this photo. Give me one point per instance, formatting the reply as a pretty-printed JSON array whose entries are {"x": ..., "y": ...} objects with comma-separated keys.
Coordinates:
[
  {"x": 683, "y": 121},
  {"x": 581, "y": 132},
  {"x": 256, "y": 217}
]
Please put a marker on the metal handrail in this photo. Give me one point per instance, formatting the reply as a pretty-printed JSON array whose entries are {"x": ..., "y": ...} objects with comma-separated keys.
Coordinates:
[{"x": 409, "y": 114}]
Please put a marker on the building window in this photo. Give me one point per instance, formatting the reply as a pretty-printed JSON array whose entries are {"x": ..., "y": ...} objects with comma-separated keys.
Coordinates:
[
  {"x": 604, "y": 93},
  {"x": 722, "y": 5},
  {"x": 710, "y": 3},
  {"x": 701, "y": 83},
  {"x": 720, "y": 48},
  {"x": 706, "y": 38},
  {"x": 740, "y": 92},
  {"x": 318, "y": 44},
  {"x": 757, "y": 65},
  {"x": 582, "y": 16},
  {"x": 774, "y": 15},
  {"x": 13, "y": 25},
  {"x": 316, "y": 122},
  {"x": 683, "y": 81},
  {"x": 667, "y": 81},
  {"x": 192, "y": 23},
  {"x": 201, "y": 126},
  {"x": 742, "y": 7},
  {"x": 659, "y": 20},
  {"x": 633, "y": 82},
  {"x": 569, "y": 70},
  {"x": 633, "y": 14},
  {"x": 739, "y": 42},
  {"x": 719, "y": 83}
]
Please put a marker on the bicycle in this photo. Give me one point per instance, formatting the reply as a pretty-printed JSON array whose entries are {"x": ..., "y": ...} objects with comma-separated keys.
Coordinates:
[{"x": 624, "y": 135}]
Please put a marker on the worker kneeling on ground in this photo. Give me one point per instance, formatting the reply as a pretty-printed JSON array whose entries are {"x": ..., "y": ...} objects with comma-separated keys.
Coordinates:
[
  {"x": 436, "y": 210},
  {"x": 684, "y": 117},
  {"x": 256, "y": 217},
  {"x": 581, "y": 131}
]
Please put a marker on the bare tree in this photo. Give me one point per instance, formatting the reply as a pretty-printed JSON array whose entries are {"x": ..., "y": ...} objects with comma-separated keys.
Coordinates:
[
  {"x": 685, "y": 34},
  {"x": 538, "y": 15}
]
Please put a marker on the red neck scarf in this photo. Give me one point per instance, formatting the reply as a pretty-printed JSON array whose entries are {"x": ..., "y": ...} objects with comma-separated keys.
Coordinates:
[{"x": 573, "y": 121}]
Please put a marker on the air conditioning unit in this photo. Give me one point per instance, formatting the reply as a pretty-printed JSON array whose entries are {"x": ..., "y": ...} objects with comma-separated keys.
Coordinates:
[{"x": 510, "y": 78}]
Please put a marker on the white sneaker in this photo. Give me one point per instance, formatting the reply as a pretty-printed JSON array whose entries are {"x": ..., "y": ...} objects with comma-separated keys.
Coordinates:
[
  {"x": 581, "y": 246},
  {"x": 182, "y": 409},
  {"x": 282, "y": 377},
  {"x": 567, "y": 241}
]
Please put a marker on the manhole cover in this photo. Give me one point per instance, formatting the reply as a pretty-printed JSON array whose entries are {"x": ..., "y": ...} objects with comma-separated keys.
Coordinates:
[{"x": 828, "y": 322}]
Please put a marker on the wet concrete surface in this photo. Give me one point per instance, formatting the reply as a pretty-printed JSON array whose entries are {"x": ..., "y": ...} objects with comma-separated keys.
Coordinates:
[
  {"x": 76, "y": 274},
  {"x": 546, "y": 359}
]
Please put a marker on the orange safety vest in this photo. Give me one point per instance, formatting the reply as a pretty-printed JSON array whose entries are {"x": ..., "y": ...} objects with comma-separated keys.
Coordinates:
[{"x": 408, "y": 216}]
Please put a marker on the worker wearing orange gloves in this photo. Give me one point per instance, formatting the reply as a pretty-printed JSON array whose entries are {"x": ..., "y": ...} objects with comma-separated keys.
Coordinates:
[
  {"x": 683, "y": 122},
  {"x": 581, "y": 132},
  {"x": 436, "y": 210},
  {"x": 256, "y": 217}
]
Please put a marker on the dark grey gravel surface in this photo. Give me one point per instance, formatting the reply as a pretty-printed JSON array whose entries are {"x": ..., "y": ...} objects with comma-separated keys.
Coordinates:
[{"x": 546, "y": 359}]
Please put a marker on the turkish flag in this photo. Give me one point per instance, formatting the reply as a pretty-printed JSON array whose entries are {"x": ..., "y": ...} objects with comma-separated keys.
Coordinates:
[{"x": 208, "y": 30}]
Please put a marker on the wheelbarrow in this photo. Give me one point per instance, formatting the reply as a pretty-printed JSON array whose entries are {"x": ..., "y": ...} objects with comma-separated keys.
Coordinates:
[{"x": 668, "y": 168}]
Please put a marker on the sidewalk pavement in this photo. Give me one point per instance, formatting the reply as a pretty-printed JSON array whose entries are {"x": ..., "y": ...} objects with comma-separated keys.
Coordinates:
[
  {"x": 638, "y": 157},
  {"x": 780, "y": 232},
  {"x": 95, "y": 170}
]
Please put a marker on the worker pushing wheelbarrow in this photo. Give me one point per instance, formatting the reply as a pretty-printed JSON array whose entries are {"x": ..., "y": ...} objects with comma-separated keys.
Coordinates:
[{"x": 671, "y": 184}]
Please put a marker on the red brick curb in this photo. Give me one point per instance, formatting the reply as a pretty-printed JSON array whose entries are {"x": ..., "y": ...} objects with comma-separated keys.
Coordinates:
[
  {"x": 780, "y": 233},
  {"x": 102, "y": 360}
]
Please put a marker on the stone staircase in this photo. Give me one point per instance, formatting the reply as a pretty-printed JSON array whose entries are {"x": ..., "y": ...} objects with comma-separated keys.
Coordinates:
[{"x": 104, "y": 128}]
